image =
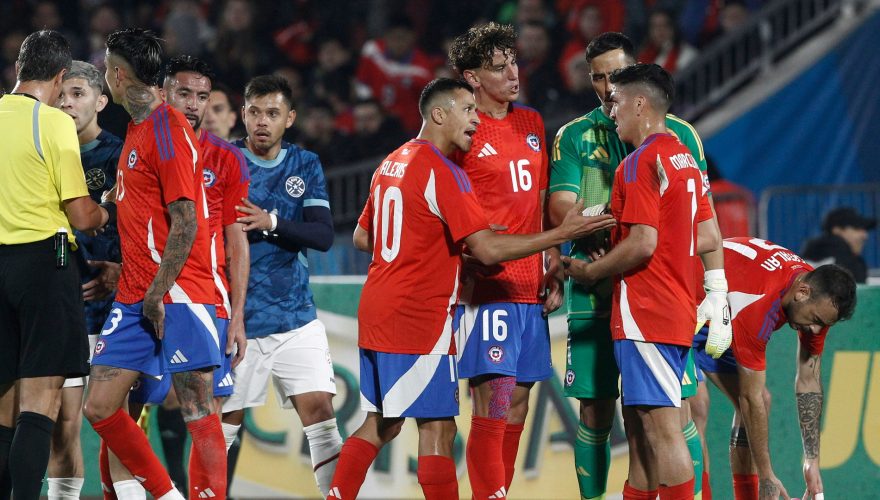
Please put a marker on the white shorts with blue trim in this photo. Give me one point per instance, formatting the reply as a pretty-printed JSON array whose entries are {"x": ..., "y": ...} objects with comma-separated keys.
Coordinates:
[
  {"x": 650, "y": 373},
  {"x": 409, "y": 385},
  {"x": 503, "y": 338}
]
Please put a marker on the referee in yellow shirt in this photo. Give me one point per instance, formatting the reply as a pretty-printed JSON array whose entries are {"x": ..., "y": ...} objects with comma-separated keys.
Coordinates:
[{"x": 43, "y": 196}]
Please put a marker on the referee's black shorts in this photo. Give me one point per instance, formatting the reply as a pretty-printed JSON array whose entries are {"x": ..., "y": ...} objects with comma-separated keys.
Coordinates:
[{"x": 42, "y": 324}]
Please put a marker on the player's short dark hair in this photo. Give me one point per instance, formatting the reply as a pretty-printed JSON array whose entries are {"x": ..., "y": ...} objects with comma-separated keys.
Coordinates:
[
  {"x": 657, "y": 82},
  {"x": 835, "y": 283},
  {"x": 269, "y": 84},
  {"x": 192, "y": 64},
  {"x": 88, "y": 72},
  {"x": 141, "y": 49},
  {"x": 606, "y": 42},
  {"x": 439, "y": 88},
  {"x": 474, "y": 49},
  {"x": 42, "y": 56}
]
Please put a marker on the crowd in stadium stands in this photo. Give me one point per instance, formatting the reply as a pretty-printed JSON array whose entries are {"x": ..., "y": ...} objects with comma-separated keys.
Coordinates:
[{"x": 356, "y": 67}]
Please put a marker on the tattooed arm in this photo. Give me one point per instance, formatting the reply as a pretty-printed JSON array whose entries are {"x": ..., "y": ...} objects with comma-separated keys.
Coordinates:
[
  {"x": 181, "y": 236},
  {"x": 808, "y": 389}
]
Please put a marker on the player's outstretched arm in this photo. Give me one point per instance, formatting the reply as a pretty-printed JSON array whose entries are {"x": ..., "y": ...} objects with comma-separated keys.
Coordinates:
[
  {"x": 808, "y": 389},
  {"x": 754, "y": 413},
  {"x": 491, "y": 248},
  {"x": 181, "y": 235},
  {"x": 314, "y": 231},
  {"x": 633, "y": 250}
]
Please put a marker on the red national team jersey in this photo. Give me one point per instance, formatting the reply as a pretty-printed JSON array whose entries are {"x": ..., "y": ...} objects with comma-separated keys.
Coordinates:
[
  {"x": 159, "y": 165},
  {"x": 759, "y": 273},
  {"x": 421, "y": 206},
  {"x": 226, "y": 178},
  {"x": 659, "y": 185},
  {"x": 508, "y": 167}
]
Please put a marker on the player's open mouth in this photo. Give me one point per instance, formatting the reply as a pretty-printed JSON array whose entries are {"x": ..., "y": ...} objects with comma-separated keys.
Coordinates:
[
  {"x": 264, "y": 135},
  {"x": 470, "y": 132}
]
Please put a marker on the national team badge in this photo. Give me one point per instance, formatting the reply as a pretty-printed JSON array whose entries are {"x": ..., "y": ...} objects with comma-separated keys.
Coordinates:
[
  {"x": 496, "y": 354},
  {"x": 95, "y": 179},
  {"x": 99, "y": 347},
  {"x": 569, "y": 378},
  {"x": 295, "y": 186},
  {"x": 132, "y": 158},
  {"x": 533, "y": 142},
  {"x": 209, "y": 177}
]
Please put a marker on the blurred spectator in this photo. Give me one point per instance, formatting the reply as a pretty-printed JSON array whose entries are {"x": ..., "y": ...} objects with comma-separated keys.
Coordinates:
[
  {"x": 8, "y": 54},
  {"x": 185, "y": 30},
  {"x": 240, "y": 52},
  {"x": 321, "y": 137},
  {"x": 702, "y": 21},
  {"x": 584, "y": 23},
  {"x": 45, "y": 16},
  {"x": 538, "y": 78},
  {"x": 295, "y": 80},
  {"x": 295, "y": 39},
  {"x": 845, "y": 233},
  {"x": 533, "y": 11},
  {"x": 102, "y": 21},
  {"x": 734, "y": 204},
  {"x": 663, "y": 45},
  {"x": 220, "y": 116},
  {"x": 375, "y": 134},
  {"x": 394, "y": 71}
]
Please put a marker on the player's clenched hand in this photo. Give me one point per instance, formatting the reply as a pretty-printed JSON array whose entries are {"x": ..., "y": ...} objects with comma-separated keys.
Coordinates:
[
  {"x": 255, "y": 218},
  {"x": 154, "y": 311},
  {"x": 813, "y": 478},
  {"x": 104, "y": 283},
  {"x": 575, "y": 226},
  {"x": 578, "y": 270},
  {"x": 771, "y": 488},
  {"x": 551, "y": 285},
  {"x": 716, "y": 310},
  {"x": 236, "y": 341}
]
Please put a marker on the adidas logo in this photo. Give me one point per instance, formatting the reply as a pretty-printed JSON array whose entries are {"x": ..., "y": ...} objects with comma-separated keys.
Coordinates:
[
  {"x": 334, "y": 493},
  {"x": 226, "y": 382},
  {"x": 501, "y": 493},
  {"x": 487, "y": 150},
  {"x": 206, "y": 493},
  {"x": 178, "y": 358},
  {"x": 140, "y": 479}
]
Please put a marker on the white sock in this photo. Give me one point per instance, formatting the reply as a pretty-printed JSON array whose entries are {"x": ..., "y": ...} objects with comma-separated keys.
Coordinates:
[
  {"x": 174, "y": 494},
  {"x": 64, "y": 488},
  {"x": 230, "y": 432},
  {"x": 324, "y": 444},
  {"x": 130, "y": 489}
]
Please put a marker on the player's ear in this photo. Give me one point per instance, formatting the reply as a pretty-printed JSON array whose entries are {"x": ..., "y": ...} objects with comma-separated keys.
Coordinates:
[
  {"x": 291, "y": 117},
  {"x": 437, "y": 115},
  {"x": 471, "y": 77},
  {"x": 804, "y": 292},
  {"x": 101, "y": 103},
  {"x": 162, "y": 94}
]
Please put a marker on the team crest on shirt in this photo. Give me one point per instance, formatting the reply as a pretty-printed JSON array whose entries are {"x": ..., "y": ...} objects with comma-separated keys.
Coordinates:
[
  {"x": 533, "y": 142},
  {"x": 496, "y": 354},
  {"x": 95, "y": 178},
  {"x": 99, "y": 347},
  {"x": 209, "y": 177},
  {"x": 569, "y": 378},
  {"x": 132, "y": 158},
  {"x": 295, "y": 186}
]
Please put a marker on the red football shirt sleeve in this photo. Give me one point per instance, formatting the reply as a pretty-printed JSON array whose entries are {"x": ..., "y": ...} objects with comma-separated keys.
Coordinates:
[
  {"x": 813, "y": 343},
  {"x": 544, "y": 181},
  {"x": 704, "y": 210},
  {"x": 365, "y": 221},
  {"x": 749, "y": 350},
  {"x": 640, "y": 189},
  {"x": 455, "y": 201},
  {"x": 176, "y": 157},
  {"x": 236, "y": 186}
]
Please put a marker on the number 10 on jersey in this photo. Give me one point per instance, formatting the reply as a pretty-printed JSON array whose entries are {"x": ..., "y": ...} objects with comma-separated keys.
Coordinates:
[{"x": 388, "y": 206}]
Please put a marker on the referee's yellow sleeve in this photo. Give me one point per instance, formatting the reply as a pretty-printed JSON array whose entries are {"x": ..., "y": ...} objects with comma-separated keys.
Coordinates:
[{"x": 62, "y": 154}]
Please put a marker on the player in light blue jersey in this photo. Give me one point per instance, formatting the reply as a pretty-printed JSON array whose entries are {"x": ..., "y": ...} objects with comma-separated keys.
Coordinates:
[
  {"x": 99, "y": 258},
  {"x": 288, "y": 212}
]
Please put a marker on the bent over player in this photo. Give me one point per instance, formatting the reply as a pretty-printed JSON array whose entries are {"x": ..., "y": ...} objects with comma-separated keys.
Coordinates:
[
  {"x": 421, "y": 208},
  {"x": 769, "y": 287},
  {"x": 163, "y": 318}
]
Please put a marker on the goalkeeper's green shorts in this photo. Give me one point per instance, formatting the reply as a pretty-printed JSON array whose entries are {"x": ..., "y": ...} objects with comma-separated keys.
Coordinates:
[
  {"x": 590, "y": 369},
  {"x": 689, "y": 379}
]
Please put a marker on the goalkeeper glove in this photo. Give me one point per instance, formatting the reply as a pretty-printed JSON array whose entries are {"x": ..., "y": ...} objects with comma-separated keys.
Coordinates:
[{"x": 715, "y": 309}]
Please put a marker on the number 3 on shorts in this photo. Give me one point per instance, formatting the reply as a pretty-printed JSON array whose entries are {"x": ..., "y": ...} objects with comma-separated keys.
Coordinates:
[{"x": 115, "y": 317}]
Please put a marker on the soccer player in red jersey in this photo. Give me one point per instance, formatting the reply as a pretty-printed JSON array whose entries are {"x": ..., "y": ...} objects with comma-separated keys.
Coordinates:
[
  {"x": 503, "y": 334},
  {"x": 163, "y": 318},
  {"x": 770, "y": 286},
  {"x": 659, "y": 197},
  {"x": 421, "y": 209}
]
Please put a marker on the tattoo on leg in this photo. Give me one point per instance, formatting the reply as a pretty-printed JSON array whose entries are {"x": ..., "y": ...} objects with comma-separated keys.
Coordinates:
[
  {"x": 809, "y": 406},
  {"x": 766, "y": 489},
  {"x": 739, "y": 438},
  {"x": 104, "y": 373},
  {"x": 195, "y": 392},
  {"x": 502, "y": 389}
]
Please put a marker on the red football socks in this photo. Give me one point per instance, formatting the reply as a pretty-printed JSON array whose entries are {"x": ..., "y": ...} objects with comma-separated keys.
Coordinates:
[
  {"x": 745, "y": 486},
  {"x": 207, "y": 458},
  {"x": 485, "y": 464},
  {"x": 129, "y": 443},
  {"x": 104, "y": 467},
  {"x": 683, "y": 491},
  {"x": 630, "y": 493},
  {"x": 355, "y": 459},
  {"x": 437, "y": 477},
  {"x": 512, "y": 433},
  {"x": 707, "y": 488}
]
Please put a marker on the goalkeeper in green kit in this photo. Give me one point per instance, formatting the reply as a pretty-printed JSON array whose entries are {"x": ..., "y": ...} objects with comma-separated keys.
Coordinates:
[{"x": 584, "y": 157}]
